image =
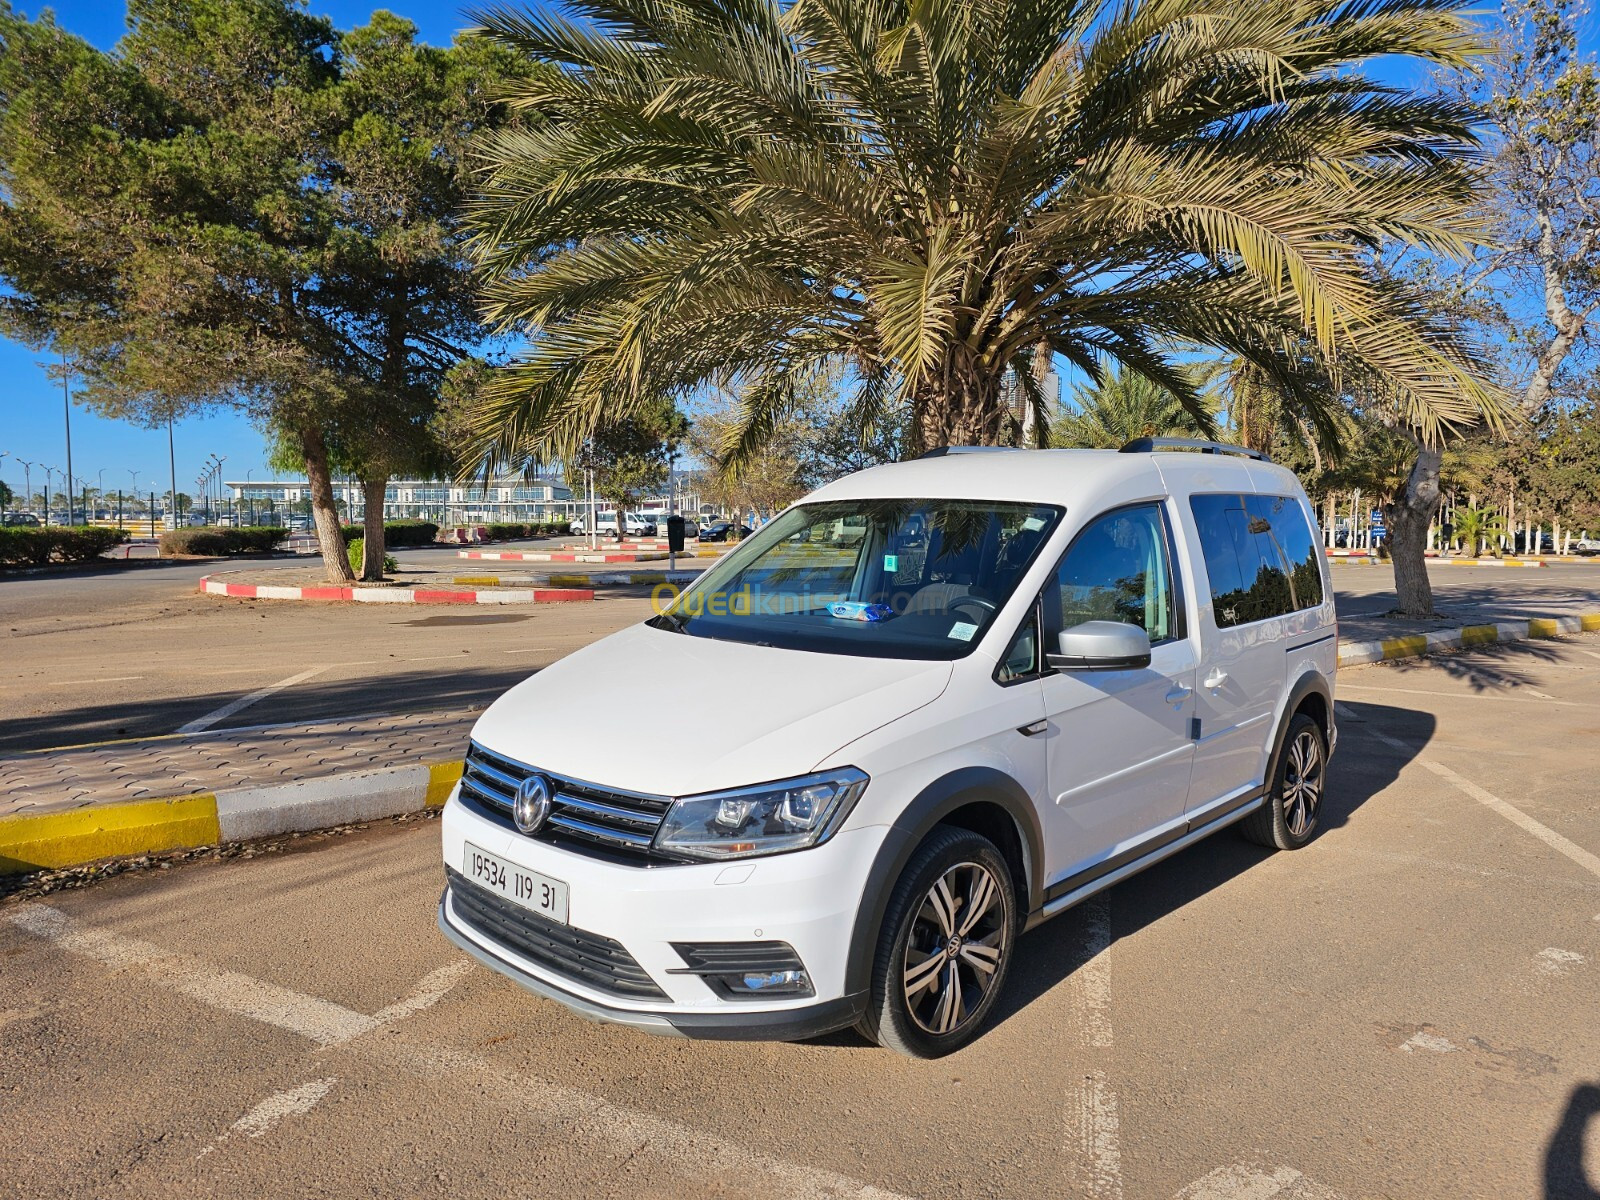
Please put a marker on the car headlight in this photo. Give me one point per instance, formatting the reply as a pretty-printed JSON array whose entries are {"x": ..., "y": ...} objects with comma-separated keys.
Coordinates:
[{"x": 769, "y": 818}]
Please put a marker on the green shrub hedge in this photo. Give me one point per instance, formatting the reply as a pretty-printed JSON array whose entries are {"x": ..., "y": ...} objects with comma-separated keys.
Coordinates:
[
  {"x": 398, "y": 533},
  {"x": 208, "y": 541},
  {"x": 357, "y": 548},
  {"x": 28, "y": 546}
]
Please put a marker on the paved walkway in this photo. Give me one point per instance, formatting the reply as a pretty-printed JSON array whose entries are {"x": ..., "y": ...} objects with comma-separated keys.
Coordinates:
[
  {"x": 47, "y": 781},
  {"x": 1361, "y": 619}
]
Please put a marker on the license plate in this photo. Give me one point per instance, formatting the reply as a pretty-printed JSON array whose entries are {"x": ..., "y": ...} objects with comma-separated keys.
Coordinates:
[{"x": 545, "y": 896}]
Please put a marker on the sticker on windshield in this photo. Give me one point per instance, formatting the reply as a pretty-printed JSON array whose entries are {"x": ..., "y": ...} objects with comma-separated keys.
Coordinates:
[
  {"x": 850, "y": 610},
  {"x": 891, "y": 563},
  {"x": 962, "y": 631},
  {"x": 1033, "y": 524}
]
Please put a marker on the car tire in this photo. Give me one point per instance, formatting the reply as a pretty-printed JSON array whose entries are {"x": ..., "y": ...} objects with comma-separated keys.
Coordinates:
[
  {"x": 928, "y": 1015},
  {"x": 1294, "y": 804}
]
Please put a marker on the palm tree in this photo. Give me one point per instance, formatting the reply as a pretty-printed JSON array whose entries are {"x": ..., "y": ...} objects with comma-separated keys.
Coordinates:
[
  {"x": 934, "y": 193},
  {"x": 1477, "y": 528},
  {"x": 1123, "y": 406}
]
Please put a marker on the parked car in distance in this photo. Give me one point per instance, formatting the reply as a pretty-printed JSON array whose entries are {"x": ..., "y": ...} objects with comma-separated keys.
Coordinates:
[
  {"x": 1586, "y": 546},
  {"x": 605, "y": 524},
  {"x": 1095, "y": 660},
  {"x": 720, "y": 531},
  {"x": 20, "y": 518}
]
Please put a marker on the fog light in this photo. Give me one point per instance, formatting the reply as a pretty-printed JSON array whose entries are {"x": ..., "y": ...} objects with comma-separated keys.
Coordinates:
[{"x": 775, "y": 981}]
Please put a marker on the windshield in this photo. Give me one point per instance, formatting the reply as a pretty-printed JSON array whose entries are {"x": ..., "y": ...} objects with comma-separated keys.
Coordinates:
[{"x": 882, "y": 578}]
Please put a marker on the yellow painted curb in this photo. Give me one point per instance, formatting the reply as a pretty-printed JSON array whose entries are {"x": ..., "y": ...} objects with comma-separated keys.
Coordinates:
[
  {"x": 1543, "y": 627},
  {"x": 82, "y": 835},
  {"x": 1404, "y": 647},
  {"x": 1478, "y": 635},
  {"x": 476, "y": 580},
  {"x": 1589, "y": 622},
  {"x": 570, "y": 580},
  {"x": 441, "y": 778},
  {"x": 648, "y": 577}
]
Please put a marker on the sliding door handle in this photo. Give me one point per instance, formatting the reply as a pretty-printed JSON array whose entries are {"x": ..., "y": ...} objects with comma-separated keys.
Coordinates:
[{"x": 1216, "y": 679}]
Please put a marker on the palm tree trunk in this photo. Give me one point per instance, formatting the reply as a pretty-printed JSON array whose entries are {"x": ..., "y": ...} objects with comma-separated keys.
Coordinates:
[
  {"x": 1408, "y": 516},
  {"x": 961, "y": 406}
]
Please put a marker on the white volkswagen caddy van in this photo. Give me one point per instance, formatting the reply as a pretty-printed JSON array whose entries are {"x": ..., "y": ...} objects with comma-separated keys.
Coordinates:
[{"x": 1023, "y": 676}]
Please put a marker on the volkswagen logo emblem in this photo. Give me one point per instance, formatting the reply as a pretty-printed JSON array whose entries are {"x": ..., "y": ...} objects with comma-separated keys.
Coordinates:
[{"x": 532, "y": 807}]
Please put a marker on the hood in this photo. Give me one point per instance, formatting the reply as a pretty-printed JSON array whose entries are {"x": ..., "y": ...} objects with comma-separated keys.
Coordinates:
[{"x": 649, "y": 710}]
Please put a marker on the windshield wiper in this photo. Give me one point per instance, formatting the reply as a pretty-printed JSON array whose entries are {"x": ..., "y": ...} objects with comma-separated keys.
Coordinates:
[{"x": 668, "y": 620}]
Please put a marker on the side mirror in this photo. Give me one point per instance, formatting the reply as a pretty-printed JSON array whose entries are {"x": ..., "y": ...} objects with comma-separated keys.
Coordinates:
[{"x": 1100, "y": 646}]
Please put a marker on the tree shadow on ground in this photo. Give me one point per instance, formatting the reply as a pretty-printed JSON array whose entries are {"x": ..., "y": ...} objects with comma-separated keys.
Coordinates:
[
  {"x": 1564, "y": 1174},
  {"x": 115, "y": 717},
  {"x": 1491, "y": 667}
]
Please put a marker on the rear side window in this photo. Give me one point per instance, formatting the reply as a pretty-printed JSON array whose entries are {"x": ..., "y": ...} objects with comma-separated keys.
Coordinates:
[
  {"x": 1260, "y": 557},
  {"x": 1298, "y": 544}
]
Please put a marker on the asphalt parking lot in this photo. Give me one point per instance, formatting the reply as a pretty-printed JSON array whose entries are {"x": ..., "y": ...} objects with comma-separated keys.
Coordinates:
[
  {"x": 1405, "y": 1008},
  {"x": 90, "y": 656}
]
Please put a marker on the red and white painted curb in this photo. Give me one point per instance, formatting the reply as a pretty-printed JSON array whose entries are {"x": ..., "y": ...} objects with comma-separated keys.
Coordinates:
[
  {"x": 389, "y": 595},
  {"x": 572, "y": 556}
]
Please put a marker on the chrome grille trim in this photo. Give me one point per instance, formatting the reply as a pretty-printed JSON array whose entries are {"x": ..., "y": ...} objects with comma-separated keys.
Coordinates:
[{"x": 581, "y": 812}]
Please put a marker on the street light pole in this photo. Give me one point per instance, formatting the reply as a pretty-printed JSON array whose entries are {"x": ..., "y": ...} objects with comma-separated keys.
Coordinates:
[
  {"x": 66, "y": 404},
  {"x": 27, "y": 482},
  {"x": 172, "y": 461},
  {"x": 49, "y": 474}
]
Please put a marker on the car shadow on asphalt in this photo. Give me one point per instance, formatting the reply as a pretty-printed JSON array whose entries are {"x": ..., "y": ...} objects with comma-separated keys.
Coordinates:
[
  {"x": 1564, "y": 1174},
  {"x": 1361, "y": 768}
]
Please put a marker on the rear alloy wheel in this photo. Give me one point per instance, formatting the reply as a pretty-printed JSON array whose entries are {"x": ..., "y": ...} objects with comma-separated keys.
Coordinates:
[
  {"x": 944, "y": 948},
  {"x": 1288, "y": 819}
]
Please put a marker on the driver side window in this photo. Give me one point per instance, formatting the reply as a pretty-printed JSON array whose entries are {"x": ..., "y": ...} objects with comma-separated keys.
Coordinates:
[{"x": 1119, "y": 569}]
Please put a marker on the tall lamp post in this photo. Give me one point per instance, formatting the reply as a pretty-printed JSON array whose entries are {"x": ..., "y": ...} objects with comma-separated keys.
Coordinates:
[
  {"x": 66, "y": 406},
  {"x": 27, "y": 483},
  {"x": 49, "y": 474},
  {"x": 135, "y": 475}
]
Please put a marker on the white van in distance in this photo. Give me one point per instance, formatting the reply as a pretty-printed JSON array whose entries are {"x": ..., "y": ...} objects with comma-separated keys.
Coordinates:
[{"x": 1025, "y": 676}]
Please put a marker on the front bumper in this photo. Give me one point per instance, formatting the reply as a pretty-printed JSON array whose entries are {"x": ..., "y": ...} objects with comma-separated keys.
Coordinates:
[
  {"x": 809, "y": 899},
  {"x": 737, "y": 1024}
]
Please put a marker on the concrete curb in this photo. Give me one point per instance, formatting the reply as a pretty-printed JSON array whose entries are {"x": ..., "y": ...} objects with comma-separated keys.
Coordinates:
[
  {"x": 64, "y": 839},
  {"x": 386, "y": 595},
  {"x": 571, "y": 556},
  {"x": 1355, "y": 654}
]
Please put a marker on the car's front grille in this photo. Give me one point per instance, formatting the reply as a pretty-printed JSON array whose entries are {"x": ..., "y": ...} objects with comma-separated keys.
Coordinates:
[
  {"x": 576, "y": 954},
  {"x": 581, "y": 814}
]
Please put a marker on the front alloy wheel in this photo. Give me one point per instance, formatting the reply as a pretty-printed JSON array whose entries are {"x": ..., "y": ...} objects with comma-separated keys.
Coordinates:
[{"x": 944, "y": 947}]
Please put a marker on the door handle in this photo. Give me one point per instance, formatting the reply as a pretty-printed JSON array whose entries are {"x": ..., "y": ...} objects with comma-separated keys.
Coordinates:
[
  {"x": 1178, "y": 695},
  {"x": 1216, "y": 679},
  {"x": 1033, "y": 727}
]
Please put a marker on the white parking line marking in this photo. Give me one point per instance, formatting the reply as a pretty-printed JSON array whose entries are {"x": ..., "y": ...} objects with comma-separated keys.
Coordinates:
[
  {"x": 78, "y": 682},
  {"x": 323, "y": 1021},
  {"x": 697, "y": 1154},
  {"x": 1554, "y": 961},
  {"x": 201, "y": 724},
  {"x": 1244, "y": 1182},
  {"x": 1095, "y": 1126},
  {"x": 428, "y": 992},
  {"x": 329, "y": 1024},
  {"x": 274, "y": 1109},
  {"x": 1422, "y": 1040},
  {"x": 1590, "y": 862}
]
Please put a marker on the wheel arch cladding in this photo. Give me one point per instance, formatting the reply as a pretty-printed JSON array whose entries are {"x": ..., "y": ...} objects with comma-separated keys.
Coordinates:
[
  {"x": 980, "y": 799},
  {"x": 1310, "y": 695}
]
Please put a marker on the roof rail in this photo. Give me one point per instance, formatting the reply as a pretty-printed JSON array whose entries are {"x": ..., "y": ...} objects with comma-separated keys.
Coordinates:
[
  {"x": 1145, "y": 445},
  {"x": 941, "y": 451}
]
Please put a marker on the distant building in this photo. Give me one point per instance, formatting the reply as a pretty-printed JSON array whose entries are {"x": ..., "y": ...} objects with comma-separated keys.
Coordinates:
[{"x": 507, "y": 498}]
